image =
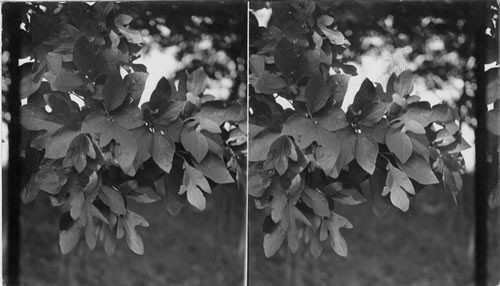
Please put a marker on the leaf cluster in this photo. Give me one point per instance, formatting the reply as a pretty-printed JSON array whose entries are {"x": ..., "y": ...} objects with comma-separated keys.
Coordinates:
[
  {"x": 311, "y": 157},
  {"x": 99, "y": 150}
]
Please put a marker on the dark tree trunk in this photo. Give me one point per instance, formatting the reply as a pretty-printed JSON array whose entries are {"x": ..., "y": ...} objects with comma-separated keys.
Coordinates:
[
  {"x": 481, "y": 183},
  {"x": 12, "y": 15}
]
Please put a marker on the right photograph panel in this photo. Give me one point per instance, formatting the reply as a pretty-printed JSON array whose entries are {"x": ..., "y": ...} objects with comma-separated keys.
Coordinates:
[{"x": 362, "y": 146}]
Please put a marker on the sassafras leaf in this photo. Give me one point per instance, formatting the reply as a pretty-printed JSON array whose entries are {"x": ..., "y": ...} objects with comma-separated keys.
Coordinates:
[
  {"x": 195, "y": 143},
  {"x": 193, "y": 183},
  {"x": 366, "y": 152},
  {"x": 163, "y": 150},
  {"x": 399, "y": 143}
]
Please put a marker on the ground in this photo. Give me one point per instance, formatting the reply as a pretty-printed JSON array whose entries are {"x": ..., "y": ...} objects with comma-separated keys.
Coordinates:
[
  {"x": 194, "y": 248},
  {"x": 429, "y": 245}
]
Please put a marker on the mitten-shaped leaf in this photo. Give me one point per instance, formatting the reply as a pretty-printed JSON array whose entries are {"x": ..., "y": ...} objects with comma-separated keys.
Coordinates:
[
  {"x": 337, "y": 241},
  {"x": 130, "y": 221},
  {"x": 398, "y": 185},
  {"x": 193, "y": 183}
]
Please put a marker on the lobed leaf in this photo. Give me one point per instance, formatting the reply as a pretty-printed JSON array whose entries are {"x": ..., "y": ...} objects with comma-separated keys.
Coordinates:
[
  {"x": 192, "y": 183},
  {"x": 398, "y": 184},
  {"x": 337, "y": 241},
  {"x": 130, "y": 221}
]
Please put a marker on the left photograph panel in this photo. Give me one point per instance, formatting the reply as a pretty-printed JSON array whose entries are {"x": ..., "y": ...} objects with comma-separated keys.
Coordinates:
[{"x": 127, "y": 138}]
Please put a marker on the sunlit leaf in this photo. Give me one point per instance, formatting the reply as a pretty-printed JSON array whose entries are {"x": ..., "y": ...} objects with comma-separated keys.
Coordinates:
[
  {"x": 273, "y": 241},
  {"x": 316, "y": 201},
  {"x": 398, "y": 185},
  {"x": 195, "y": 143},
  {"x": 193, "y": 183},
  {"x": 399, "y": 143},
  {"x": 337, "y": 241},
  {"x": 404, "y": 83},
  {"x": 419, "y": 169},
  {"x": 197, "y": 81},
  {"x": 335, "y": 37},
  {"x": 68, "y": 238},
  {"x": 256, "y": 64},
  {"x": 215, "y": 169},
  {"x": 162, "y": 151},
  {"x": 366, "y": 152},
  {"x": 130, "y": 221},
  {"x": 113, "y": 199}
]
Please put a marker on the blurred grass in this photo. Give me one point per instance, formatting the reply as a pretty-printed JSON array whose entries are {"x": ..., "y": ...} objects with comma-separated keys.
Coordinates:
[
  {"x": 194, "y": 248},
  {"x": 428, "y": 246}
]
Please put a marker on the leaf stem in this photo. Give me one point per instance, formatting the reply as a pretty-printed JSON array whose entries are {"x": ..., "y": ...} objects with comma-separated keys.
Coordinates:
[
  {"x": 383, "y": 154},
  {"x": 181, "y": 154},
  {"x": 309, "y": 112},
  {"x": 105, "y": 109}
]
